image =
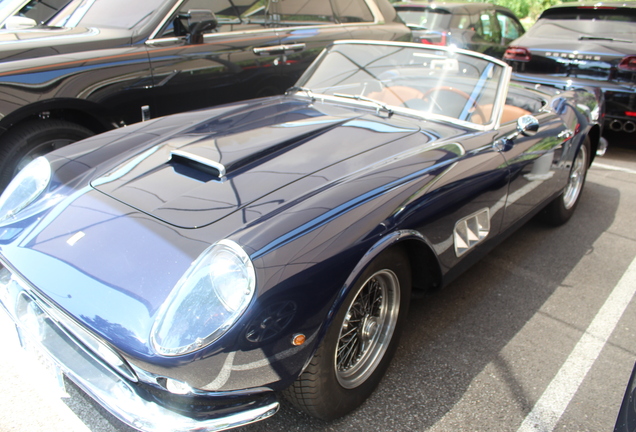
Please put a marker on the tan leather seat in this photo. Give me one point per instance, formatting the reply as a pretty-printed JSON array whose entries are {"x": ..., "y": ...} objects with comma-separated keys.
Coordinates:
[
  {"x": 510, "y": 113},
  {"x": 396, "y": 95}
]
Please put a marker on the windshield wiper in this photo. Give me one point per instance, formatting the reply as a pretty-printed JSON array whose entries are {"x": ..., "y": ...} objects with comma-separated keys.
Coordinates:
[
  {"x": 610, "y": 39},
  {"x": 379, "y": 104},
  {"x": 307, "y": 91}
]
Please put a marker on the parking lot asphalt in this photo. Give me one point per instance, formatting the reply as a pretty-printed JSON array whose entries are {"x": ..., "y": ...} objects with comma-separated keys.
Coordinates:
[{"x": 539, "y": 335}]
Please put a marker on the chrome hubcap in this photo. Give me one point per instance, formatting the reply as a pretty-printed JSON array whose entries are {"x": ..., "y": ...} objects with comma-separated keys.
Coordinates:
[
  {"x": 577, "y": 177},
  {"x": 367, "y": 329}
]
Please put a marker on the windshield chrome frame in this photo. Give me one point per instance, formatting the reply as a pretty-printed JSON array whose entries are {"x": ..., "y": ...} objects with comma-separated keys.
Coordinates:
[{"x": 499, "y": 102}]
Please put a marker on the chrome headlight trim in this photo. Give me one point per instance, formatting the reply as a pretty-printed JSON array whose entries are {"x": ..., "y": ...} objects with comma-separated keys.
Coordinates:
[
  {"x": 25, "y": 188},
  {"x": 208, "y": 299}
]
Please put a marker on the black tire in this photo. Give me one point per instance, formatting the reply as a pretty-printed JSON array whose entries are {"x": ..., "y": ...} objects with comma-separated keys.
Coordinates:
[
  {"x": 27, "y": 141},
  {"x": 561, "y": 209},
  {"x": 338, "y": 381}
]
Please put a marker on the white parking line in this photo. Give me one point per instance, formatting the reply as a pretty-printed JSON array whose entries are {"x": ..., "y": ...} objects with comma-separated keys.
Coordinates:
[
  {"x": 613, "y": 168},
  {"x": 555, "y": 399}
]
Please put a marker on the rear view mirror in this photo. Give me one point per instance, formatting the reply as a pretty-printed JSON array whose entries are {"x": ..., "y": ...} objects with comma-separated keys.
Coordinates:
[
  {"x": 528, "y": 125},
  {"x": 16, "y": 22},
  {"x": 199, "y": 22}
]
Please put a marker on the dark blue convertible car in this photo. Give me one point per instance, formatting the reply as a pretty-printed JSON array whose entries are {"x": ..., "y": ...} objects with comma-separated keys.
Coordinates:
[{"x": 188, "y": 271}]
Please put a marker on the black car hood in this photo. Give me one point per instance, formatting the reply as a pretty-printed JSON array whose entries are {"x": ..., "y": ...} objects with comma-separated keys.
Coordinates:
[
  {"x": 261, "y": 149},
  {"x": 50, "y": 41}
]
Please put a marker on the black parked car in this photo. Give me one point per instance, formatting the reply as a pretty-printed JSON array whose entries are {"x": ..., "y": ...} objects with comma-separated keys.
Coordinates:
[
  {"x": 481, "y": 27},
  {"x": 100, "y": 64},
  {"x": 584, "y": 44}
]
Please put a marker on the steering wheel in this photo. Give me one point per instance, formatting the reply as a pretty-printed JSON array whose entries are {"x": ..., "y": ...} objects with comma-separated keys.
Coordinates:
[{"x": 461, "y": 93}]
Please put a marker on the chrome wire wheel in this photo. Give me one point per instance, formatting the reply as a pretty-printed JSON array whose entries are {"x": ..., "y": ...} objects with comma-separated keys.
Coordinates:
[
  {"x": 577, "y": 178},
  {"x": 367, "y": 329}
]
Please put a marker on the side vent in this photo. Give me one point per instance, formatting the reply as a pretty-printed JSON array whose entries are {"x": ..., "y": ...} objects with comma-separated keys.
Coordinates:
[
  {"x": 471, "y": 230},
  {"x": 199, "y": 163}
]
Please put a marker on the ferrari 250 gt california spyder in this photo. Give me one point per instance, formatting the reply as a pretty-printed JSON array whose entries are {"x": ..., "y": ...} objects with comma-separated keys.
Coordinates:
[{"x": 187, "y": 271}]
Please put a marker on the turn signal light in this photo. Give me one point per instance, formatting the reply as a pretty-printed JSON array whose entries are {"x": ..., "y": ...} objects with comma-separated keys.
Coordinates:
[
  {"x": 628, "y": 64},
  {"x": 517, "y": 54}
]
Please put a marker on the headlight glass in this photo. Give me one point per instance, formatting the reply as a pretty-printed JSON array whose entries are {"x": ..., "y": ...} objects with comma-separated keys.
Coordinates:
[
  {"x": 206, "y": 301},
  {"x": 25, "y": 188}
]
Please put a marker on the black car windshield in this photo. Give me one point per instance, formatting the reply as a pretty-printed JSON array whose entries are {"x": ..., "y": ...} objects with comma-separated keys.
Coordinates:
[
  {"x": 591, "y": 13},
  {"x": 121, "y": 14},
  {"x": 38, "y": 10},
  {"x": 577, "y": 24},
  {"x": 420, "y": 80},
  {"x": 424, "y": 18}
]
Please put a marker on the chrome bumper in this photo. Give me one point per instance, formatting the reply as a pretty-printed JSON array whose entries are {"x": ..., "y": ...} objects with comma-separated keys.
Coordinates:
[{"x": 124, "y": 398}]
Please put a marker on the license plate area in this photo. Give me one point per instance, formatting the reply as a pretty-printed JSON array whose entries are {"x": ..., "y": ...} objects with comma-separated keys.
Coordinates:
[{"x": 35, "y": 363}]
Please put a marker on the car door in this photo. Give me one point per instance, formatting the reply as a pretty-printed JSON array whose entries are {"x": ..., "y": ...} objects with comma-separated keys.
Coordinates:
[
  {"x": 466, "y": 202},
  {"x": 537, "y": 170},
  {"x": 305, "y": 28},
  {"x": 235, "y": 60}
]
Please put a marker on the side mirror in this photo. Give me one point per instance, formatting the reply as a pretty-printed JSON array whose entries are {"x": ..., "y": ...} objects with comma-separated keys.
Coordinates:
[
  {"x": 527, "y": 125},
  {"x": 199, "y": 22},
  {"x": 16, "y": 22}
]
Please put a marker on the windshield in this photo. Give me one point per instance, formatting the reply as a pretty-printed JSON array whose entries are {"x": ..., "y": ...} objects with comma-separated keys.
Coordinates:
[
  {"x": 422, "y": 80},
  {"x": 591, "y": 13},
  {"x": 38, "y": 10},
  {"x": 424, "y": 18},
  {"x": 121, "y": 14}
]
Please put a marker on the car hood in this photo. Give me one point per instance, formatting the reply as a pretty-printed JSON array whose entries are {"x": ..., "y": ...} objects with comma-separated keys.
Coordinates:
[
  {"x": 205, "y": 172},
  {"x": 49, "y": 41}
]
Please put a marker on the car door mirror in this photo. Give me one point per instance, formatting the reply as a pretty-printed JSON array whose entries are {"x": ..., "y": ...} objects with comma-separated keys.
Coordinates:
[
  {"x": 18, "y": 23},
  {"x": 199, "y": 22},
  {"x": 527, "y": 125}
]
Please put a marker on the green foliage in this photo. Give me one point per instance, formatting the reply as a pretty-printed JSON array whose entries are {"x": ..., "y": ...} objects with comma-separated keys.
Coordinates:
[{"x": 524, "y": 8}]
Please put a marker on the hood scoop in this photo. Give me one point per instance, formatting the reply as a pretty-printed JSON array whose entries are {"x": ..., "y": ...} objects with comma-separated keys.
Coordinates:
[
  {"x": 197, "y": 162},
  {"x": 193, "y": 179}
]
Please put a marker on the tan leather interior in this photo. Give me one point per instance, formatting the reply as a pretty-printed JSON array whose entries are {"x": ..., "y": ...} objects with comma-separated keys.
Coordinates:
[
  {"x": 396, "y": 95},
  {"x": 510, "y": 113}
]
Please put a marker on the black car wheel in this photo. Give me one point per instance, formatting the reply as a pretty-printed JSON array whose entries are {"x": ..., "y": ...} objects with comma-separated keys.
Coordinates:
[
  {"x": 561, "y": 209},
  {"x": 32, "y": 139},
  {"x": 359, "y": 344}
]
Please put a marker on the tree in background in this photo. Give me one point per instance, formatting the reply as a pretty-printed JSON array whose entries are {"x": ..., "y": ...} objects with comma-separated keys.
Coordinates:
[{"x": 528, "y": 9}]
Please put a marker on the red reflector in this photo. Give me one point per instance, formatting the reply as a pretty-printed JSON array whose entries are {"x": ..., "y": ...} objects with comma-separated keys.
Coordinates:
[
  {"x": 434, "y": 38},
  {"x": 630, "y": 113},
  {"x": 517, "y": 54},
  {"x": 628, "y": 64}
]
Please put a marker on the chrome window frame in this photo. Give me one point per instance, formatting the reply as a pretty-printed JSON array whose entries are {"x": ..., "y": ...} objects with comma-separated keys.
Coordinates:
[
  {"x": 498, "y": 104},
  {"x": 153, "y": 39}
]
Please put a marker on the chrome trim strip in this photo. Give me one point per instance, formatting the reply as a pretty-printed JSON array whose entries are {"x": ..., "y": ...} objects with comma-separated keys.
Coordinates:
[
  {"x": 285, "y": 48},
  {"x": 164, "y": 21},
  {"x": 200, "y": 159},
  {"x": 378, "y": 18}
]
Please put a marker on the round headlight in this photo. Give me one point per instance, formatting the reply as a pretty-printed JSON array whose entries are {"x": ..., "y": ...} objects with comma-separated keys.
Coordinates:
[
  {"x": 25, "y": 188},
  {"x": 206, "y": 301}
]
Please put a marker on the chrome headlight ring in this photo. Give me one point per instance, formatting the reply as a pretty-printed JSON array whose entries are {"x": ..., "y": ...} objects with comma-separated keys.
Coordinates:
[
  {"x": 25, "y": 188},
  {"x": 208, "y": 299}
]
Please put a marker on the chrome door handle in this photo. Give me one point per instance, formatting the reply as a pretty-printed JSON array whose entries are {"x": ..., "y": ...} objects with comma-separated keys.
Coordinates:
[{"x": 279, "y": 49}]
